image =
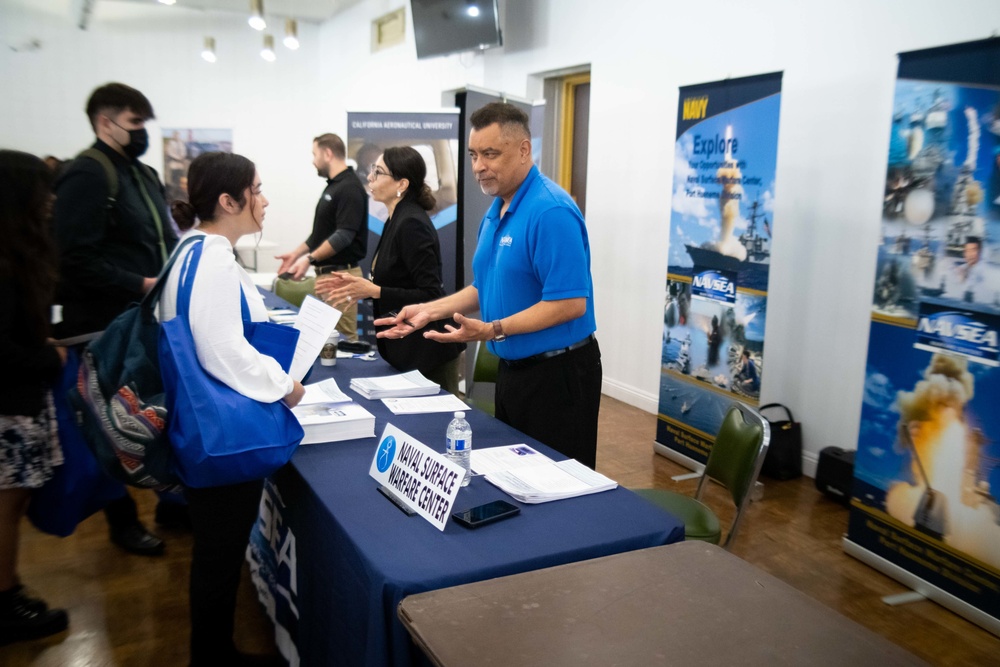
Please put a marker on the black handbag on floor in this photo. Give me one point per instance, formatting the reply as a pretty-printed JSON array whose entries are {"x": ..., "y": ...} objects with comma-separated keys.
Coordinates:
[{"x": 784, "y": 454}]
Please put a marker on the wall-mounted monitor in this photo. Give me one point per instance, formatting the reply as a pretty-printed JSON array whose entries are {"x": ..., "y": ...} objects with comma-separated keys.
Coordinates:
[{"x": 449, "y": 26}]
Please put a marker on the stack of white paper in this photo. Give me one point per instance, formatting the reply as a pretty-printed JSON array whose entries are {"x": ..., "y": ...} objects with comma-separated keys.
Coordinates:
[
  {"x": 531, "y": 477},
  {"x": 327, "y": 415},
  {"x": 395, "y": 386},
  {"x": 422, "y": 405}
]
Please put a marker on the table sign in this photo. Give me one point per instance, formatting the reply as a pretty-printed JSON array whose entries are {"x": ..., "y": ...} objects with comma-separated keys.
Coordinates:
[{"x": 420, "y": 477}]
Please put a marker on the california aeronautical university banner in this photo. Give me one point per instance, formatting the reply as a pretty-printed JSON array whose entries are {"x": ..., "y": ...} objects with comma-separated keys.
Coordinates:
[
  {"x": 719, "y": 259},
  {"x": 926, "y": 500},
  {"x": 435, "y": 136}
]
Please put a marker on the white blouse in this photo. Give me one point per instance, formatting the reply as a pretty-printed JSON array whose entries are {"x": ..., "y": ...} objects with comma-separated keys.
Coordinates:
[{"x": 217, "y": 322}]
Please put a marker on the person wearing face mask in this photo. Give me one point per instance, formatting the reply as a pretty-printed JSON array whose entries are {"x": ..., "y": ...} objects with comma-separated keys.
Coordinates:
[{"x": 114, "y": 235}]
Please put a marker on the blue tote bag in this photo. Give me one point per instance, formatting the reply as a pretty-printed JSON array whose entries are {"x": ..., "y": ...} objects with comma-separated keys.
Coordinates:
[
  {"x": 79, "y": 487},
  {"x": 218, "y": 435}
]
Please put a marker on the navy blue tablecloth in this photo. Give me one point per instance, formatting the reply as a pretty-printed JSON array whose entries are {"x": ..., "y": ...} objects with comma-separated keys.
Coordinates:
[{"x": 353, "y": 555}]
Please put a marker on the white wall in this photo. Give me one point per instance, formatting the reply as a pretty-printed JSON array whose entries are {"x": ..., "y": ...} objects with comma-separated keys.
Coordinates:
[{"x": 839, "y": 74}]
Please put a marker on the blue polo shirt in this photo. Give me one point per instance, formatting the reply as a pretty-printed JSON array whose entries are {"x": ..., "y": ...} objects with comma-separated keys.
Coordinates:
[{"x": 538, "y": 251}]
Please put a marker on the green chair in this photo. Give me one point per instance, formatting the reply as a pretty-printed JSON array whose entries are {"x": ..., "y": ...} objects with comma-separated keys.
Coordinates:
[
  {"x": 294, "y": 291},
  {"x": 485, "y": 373},
  {"x": 734, "y": 462}
]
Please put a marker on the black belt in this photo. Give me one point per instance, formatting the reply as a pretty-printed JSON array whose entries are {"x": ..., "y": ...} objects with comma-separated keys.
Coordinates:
[
  {"x": 534, "y": 359},
  {"x": 329, "y": 268}
]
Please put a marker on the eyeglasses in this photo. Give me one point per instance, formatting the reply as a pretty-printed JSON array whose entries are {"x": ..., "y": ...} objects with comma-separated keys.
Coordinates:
[{"x": 376, "y": 172}]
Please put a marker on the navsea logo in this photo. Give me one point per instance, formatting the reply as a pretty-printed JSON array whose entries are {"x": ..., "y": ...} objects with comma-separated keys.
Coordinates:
[
  {"x": 960, "y": 333},
  {"x": 714, "y": 286},
  {"x": 695, "y": 108},
  {"x": 506, "y": 241}
]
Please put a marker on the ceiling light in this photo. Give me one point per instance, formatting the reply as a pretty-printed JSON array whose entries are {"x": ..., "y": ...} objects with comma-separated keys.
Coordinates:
[
  {"x": 291, "y": 34},
  {"x": 256, "y": 19},
  {"x": 267, "y": 53},
  {"x": 168, "y": 2},
  {"x": 208, "y": 53},
  {"x": 472, "y": 11}
]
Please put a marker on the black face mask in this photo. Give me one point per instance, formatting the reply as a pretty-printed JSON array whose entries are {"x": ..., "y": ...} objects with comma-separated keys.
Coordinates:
[{"x": 138, "y": 142}]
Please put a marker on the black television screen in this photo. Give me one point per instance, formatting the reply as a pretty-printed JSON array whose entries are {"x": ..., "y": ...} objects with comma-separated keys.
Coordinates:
[{"x": 449, "y": 26}]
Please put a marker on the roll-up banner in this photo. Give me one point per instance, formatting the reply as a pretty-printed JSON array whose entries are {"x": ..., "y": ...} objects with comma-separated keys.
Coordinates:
[
  {"x": 719, "y": 259},
  {"x": 435, "y": 136},
  {"x": 925, "y": 506}
]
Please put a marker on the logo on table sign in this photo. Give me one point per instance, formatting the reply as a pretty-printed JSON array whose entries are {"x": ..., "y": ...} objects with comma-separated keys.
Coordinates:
[
  {"x": 961, "y": 333},
  {"x": 506, "y": 241},
  {"x": 386, "y": 453}
]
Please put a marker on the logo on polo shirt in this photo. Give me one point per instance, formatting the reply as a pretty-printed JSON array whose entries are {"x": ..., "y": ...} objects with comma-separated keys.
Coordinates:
[
  {"x": 506, "y": 241},
  {"x": 327, "y": 197}
]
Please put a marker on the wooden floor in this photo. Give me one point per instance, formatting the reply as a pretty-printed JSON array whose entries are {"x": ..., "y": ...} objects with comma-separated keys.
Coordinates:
[{"x": 132, "y": 611}]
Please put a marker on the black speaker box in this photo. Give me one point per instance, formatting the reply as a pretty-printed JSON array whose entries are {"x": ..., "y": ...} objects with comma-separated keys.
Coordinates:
[{"x": 835, "y": 474}]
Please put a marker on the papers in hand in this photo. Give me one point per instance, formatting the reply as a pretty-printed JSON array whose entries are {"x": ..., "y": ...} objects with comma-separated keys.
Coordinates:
[
  {"x": 328, "y": 415},
  {"x": 395, "y": 386},
  {"x": 529, "y": 476},
  {"x": 425, "y": 404},
  {"x": 315, "y": 322}
]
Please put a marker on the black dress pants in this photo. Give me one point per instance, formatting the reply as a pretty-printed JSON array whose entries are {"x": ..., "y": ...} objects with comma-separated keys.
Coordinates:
[
  {"x": 555, "y": 400},
  {"x": 221, "y": 520}
]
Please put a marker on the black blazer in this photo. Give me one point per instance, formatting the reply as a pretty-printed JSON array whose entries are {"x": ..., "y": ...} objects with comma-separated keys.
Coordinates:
[{"x": 407, "y": 266}]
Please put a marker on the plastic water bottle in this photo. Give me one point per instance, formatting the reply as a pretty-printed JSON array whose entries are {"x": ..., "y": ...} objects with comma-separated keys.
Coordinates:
[{"x": 459, "y": 444}]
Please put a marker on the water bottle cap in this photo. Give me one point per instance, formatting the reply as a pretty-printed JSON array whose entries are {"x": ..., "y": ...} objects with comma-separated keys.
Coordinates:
[{"x": 459, "y": 415}]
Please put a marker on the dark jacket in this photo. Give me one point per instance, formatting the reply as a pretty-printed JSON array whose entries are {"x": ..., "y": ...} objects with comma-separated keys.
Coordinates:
[
  {"x": 407, "y": 266},
  {"x": 104, "y": 253},
  {"x": 27, "y": 365}
]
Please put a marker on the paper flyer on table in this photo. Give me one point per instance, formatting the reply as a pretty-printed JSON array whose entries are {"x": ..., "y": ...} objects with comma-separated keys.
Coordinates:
[
  {"x": 316, "y": 321},
  {"x": 497, "y": 459},
  {"x": 425, "y": 404},
  {"x": 327, "y": 391}
]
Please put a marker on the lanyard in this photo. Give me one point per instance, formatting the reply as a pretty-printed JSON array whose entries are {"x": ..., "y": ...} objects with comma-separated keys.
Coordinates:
[{"x": 152, "y": 209}]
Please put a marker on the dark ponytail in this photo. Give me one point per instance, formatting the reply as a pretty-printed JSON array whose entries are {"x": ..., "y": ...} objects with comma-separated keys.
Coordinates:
[
  {"x": 183, "y": 214},
  {"x": 405, "y": 162}
]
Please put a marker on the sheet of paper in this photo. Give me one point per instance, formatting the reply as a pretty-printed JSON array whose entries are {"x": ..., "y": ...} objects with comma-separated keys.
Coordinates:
[
  {"x": 316, "y": 321},
  {"x": 496, "y": 459},
  {"x": 425, "y": 404},
  {"x": 327, "y": 391}
]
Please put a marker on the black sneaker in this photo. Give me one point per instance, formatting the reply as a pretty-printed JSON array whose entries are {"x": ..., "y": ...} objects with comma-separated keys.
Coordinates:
[
  {"x": 24, "y": 618},
  {"x": 135, "y": 539}
]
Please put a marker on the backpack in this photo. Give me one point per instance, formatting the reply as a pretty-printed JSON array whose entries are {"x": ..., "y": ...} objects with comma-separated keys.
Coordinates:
[{"x": 118, "y": 397}]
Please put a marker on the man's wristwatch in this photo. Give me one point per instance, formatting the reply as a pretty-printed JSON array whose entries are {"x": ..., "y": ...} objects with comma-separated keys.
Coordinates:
[
  {"x": 498, "y": 335},
  {"x": 312, "y": 260}
]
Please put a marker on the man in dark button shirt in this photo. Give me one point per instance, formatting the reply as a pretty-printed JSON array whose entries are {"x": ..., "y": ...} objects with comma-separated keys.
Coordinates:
[
  {"x": 111, "y": 245},
  {"x": 339, "y": 236}
]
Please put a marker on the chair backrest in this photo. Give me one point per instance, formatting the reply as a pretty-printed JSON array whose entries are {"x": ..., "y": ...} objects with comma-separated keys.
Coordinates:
[
  {"x": 294, "y": 291},
  {"x": 737, "y": 456},
  {"x": 487, "y": 365}
]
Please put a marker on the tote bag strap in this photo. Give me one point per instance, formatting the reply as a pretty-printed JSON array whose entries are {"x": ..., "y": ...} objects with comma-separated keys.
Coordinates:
[
  {"x": 186, "y": 284},
  {"x": 152, "y": 297}
]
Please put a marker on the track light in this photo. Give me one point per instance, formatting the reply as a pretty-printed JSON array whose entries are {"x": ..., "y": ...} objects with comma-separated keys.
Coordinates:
[
  {"x": 267, "y": 53},
  {"x": 291, "y": 34},
  {"x": 472, "y": 11},
  {"x": 256, "y": 19},
  {"x": 208, "y": 53}
]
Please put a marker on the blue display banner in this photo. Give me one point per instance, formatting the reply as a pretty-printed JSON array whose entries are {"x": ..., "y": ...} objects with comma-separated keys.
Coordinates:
[
  {"x": 927, "y": 471},
  {"x": 719, "y": 259}
]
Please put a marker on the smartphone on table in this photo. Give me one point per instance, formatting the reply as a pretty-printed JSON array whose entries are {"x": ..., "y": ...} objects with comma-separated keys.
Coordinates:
[{"x": 484, "y": 514}]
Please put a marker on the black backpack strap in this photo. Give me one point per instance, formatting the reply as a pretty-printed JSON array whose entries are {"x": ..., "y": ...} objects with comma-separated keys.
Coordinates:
[
  {"x": 152, "y": 297},
  {"x": 109, "y": 171}
]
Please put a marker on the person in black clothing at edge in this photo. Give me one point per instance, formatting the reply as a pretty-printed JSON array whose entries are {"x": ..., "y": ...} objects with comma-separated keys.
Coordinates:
[
  {"x": 339, "y": 238},
  {"x": 111, "y": 249},
  {"x": 29, "y": 446}
]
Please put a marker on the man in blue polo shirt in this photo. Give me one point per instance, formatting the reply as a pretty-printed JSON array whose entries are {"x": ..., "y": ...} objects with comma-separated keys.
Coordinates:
[{"x": 533, "y": 287}]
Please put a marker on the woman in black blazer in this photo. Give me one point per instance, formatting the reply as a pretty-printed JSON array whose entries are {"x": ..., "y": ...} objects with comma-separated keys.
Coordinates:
[{"x": 406, "y": 267}]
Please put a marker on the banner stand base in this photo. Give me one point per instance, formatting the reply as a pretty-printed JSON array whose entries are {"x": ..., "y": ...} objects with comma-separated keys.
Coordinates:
[
  {"x": 678, "y": 458},
  {"x": 929, "y": 591},
  {"x": 903, "y": 598}
]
